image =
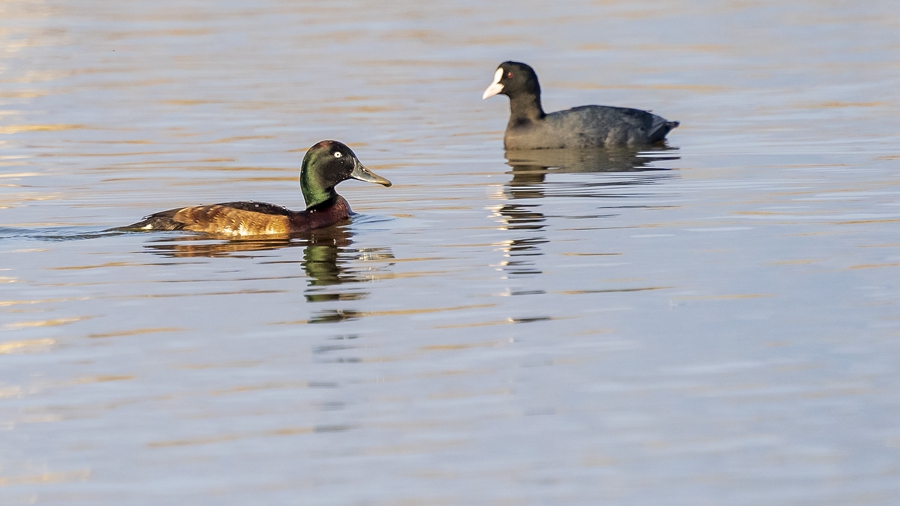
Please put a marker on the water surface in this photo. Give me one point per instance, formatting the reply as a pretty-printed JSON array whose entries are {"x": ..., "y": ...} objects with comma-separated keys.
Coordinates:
[{"x": 710, "y": 322}]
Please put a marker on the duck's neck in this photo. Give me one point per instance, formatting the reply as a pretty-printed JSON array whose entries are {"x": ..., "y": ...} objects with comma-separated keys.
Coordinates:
[
  {"x": 316, "y": 190},
  {"x": 317, "y": 197},
  {"x": 324, "y": 204},
  {"x": 525, "y": 108}
]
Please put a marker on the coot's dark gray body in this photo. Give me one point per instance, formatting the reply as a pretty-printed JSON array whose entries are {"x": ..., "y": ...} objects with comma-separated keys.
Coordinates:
[{"x": 580, "y": 127}]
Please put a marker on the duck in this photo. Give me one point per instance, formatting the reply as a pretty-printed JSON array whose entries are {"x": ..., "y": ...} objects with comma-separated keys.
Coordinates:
[
  {"x": 325, "y": 164},
  {"x": 587, "y": 126}
]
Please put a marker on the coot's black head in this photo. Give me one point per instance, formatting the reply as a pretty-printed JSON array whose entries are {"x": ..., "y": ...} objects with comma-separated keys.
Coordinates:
[
  {"x": 513, "y": 79},
  {"x": 328, "y": 163}
]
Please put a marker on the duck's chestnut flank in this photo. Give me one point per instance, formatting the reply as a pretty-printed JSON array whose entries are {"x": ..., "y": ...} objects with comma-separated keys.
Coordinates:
[
  {"x": 326, "y": 164},
  {"x": 587, "y": 126}
]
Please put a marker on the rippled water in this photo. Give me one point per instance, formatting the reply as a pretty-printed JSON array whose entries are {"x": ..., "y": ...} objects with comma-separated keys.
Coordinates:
[{"x": 712, "y": 322}]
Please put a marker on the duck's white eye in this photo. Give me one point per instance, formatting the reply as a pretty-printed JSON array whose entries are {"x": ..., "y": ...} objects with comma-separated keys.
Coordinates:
[{"x": 337, "y": 154}]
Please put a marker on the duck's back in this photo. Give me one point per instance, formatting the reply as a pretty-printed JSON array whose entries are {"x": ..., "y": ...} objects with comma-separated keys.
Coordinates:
[
  {"x": 228, "y": 219},
  {"x": 587, "y": 127}
]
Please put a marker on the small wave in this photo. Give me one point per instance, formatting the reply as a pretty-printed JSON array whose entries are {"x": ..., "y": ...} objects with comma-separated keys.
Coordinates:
[{"x": 55, "y": 233}]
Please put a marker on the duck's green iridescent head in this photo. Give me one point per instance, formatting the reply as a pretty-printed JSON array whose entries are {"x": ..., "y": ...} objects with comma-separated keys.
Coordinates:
[{"x": 325, "y": 165}]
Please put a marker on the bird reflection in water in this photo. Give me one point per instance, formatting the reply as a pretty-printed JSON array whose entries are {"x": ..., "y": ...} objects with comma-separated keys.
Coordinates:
[
  {"x": 328, "y": 258},
  {"x": 521, "y": 212},
  {"x": 330, "y": 261}
]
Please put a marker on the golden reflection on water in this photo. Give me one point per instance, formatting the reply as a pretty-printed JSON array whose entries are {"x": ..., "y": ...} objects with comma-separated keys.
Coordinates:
[
  {"x": 135, "y": 332},
  {"x": 54, "y": 322},
  {"x": 28, "y": 346},
  {"x": 51, "y": 477},
  {"x": 284, "y": 431},
  {"x": 13, "y": 129}
]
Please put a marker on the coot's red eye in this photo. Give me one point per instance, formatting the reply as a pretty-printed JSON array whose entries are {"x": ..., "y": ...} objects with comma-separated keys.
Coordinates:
[{"x": 509, "y": 75}]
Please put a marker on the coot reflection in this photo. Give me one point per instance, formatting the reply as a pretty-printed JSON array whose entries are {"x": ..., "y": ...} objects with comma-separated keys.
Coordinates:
[{"x": 524, "y": 213}]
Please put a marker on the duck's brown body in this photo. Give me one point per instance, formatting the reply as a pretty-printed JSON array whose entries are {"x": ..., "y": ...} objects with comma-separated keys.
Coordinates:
[
  {"x": 244, "y": 219},
  {"x": 325, "y": 165}
]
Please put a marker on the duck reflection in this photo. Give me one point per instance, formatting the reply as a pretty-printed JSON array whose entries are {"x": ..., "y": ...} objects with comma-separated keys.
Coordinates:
[
  {"x": 521, "y": 212},
  {"x": 186, "y": 246},
  {"x": 329, "y": 261},
  {"x": 328, "y": 258}
]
